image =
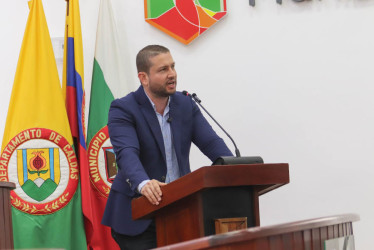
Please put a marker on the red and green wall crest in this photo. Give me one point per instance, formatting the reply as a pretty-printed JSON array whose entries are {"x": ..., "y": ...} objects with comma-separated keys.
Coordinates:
[{"x": 184, "y": 20}]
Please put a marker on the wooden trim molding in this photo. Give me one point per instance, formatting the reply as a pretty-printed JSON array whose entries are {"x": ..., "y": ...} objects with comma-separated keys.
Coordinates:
[{"x": 304, "y": 235}]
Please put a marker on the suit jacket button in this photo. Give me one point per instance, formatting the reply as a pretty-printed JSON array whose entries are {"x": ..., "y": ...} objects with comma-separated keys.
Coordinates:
[
  {"x": 163, "y": 178},
  {"x": 128, "y": 181}
]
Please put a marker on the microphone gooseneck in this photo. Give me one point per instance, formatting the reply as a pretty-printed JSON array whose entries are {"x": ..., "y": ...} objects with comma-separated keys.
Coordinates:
[{"x": 198, "y": 101}]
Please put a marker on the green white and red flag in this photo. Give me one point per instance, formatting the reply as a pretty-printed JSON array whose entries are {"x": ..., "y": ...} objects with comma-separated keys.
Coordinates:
[{"x": 109, "y": 81}]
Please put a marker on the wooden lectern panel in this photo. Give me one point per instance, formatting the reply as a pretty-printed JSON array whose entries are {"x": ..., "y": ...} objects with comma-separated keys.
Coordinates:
[
  {"x": 193, "y": 217},
  {"x": 183, "y": 218}
]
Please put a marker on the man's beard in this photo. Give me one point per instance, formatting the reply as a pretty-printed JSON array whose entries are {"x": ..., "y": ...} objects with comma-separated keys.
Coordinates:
[{"x": 162, "y": 91}]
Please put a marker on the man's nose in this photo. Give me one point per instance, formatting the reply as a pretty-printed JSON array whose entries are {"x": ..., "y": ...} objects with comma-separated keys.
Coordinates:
[{"x": 172, "y": 73}]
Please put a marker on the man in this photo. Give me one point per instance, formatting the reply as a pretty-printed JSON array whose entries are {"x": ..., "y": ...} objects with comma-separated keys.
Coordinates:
[{"x": 151, "y": 131}]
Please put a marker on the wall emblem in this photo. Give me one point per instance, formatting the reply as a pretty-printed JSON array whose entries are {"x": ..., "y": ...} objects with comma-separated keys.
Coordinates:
[
  {"x": 102, "y": 162},
  {"x": 44, "y": 167},
  {"x": 184, "y": 20}
]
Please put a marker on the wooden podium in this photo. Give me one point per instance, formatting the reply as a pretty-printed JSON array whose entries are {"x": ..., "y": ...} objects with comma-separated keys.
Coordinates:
[
  {"x": 6, "y": 229},
  {"x": 197, "y": 204}
]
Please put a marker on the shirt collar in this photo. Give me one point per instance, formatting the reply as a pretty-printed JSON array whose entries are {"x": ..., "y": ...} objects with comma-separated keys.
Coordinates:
[{"x": 166, "y": 111}]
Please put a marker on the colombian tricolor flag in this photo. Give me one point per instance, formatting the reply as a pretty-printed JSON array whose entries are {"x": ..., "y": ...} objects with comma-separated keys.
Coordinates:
[
  {"x": 73, "y": 90},
  {"x": 73, "y": 76}
]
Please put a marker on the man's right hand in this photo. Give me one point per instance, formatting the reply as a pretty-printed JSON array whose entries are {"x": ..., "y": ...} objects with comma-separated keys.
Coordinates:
[{"x": 152, "y": 191}]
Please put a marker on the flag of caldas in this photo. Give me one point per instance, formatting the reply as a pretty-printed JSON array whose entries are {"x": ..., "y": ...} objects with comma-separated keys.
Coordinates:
[{"x": 37, "y": 149}]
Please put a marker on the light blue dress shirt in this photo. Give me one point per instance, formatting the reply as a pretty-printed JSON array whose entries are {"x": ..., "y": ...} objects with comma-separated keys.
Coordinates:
[{"x": 171, "y": 157}]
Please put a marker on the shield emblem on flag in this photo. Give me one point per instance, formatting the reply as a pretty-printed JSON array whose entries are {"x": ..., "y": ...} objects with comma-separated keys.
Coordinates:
[
  {"x": 38, "y": 171},
  {"x": 184, "y": 20},
  {"x": 102, "y": 161},
  {"x": 110, "y": 163}
]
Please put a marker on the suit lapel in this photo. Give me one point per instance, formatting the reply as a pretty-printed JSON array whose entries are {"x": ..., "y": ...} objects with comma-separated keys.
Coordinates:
[
  {"x": 151, "y": 118},
  {"x": 175, "y": 126}
]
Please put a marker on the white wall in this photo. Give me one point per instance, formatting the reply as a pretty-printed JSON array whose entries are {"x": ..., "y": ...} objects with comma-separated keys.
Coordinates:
[{"x": 292, "y": 83}]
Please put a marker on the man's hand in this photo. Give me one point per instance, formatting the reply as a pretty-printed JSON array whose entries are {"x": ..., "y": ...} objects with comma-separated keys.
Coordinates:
[{"x": 152, "y": 191}]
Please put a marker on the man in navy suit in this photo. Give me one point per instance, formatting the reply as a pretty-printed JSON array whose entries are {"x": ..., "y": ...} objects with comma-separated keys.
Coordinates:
[{"x": 151, "y": 131}]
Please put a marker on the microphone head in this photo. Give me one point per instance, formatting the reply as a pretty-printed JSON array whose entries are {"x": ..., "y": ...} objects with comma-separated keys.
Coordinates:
[{"x": 194, "y": 96}]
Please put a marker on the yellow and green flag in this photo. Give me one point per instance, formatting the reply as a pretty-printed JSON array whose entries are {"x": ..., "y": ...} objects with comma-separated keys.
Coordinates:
[{"x": 37, "y": 149}]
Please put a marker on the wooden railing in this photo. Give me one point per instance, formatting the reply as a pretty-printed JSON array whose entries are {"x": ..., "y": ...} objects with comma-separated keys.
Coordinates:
[{"x": 301, "y": 235}]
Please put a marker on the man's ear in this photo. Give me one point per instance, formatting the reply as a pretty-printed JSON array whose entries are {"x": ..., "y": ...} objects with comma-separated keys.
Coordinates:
[{"x": 143, "y": 78}]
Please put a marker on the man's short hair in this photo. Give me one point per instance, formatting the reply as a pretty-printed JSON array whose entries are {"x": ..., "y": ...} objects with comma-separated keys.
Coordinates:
[{"x": 143, "y": 63}]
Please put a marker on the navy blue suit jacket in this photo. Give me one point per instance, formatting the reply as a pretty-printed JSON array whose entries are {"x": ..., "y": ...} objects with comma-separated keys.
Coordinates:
[{"x": 137, "y": 140}]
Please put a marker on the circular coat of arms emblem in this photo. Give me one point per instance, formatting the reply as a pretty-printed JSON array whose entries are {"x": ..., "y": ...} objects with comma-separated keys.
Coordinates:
[
  {"x": 102, "y": 161},
  {"x": 44, "y": 167}
]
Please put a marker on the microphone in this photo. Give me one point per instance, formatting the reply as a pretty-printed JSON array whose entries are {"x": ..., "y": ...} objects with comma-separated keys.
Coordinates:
[
  {"x": 169, "y": 119},
  {"x": 198, "y": 101}
]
